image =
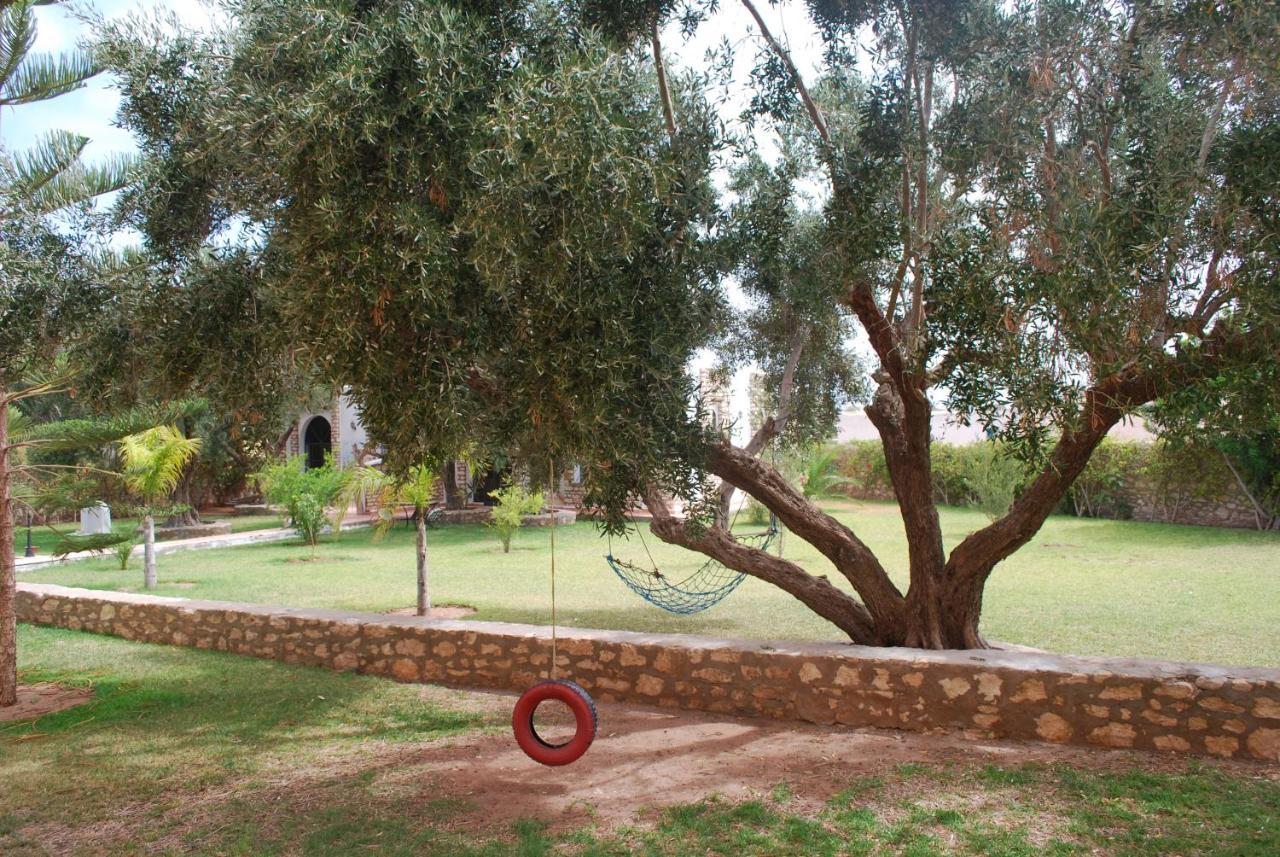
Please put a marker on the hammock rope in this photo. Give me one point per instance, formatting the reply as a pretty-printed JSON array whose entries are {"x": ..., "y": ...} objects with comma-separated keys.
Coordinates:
[{"x": 706, "y": 587}]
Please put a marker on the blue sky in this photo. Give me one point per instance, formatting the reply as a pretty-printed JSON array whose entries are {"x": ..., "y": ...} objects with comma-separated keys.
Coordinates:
[{"x": 90, "y": 110}]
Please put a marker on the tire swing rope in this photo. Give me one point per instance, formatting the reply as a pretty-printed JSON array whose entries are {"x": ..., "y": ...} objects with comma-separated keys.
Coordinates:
[{"x": 570, "y": 694}]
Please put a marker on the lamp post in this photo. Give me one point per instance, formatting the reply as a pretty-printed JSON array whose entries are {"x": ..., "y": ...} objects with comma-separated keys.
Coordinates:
[{"x": 30, "y": 551}]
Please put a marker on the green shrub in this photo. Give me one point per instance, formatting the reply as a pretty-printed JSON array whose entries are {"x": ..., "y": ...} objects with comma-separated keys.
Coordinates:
[
  {"x": 1178, "y": 473},
  {"x": 306, "y": 494},
  {"x": 862, "y": 463},
  {"x": 514, "y": 502},
  {"x": 755, "y": 513},
  {"x": 993, "y": 478},
  {"x": 1100, "y": 490},
  {"x": 951, "y": 467},
  {"x": 124, "y": 551}
]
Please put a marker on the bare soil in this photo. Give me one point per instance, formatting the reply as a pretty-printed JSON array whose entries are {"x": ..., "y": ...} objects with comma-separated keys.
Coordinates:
[
  {"x": 440, "y": 611},
  {"x": 645, "y": 759},
  {"x": 37, "y": 700}
]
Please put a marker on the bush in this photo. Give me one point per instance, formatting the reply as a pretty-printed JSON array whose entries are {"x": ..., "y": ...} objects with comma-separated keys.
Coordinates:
[
  {"x": 124, "y": 551},
  {"x": 951, "y": 468},
  {"x": 993, "y": 478},
  {"x": 305, "y": 494},
  {"x": 755, "y": 513},
  {"x": 862, "y": 463},
  {"x": 514, "y": 502},
  {"x": 1099, "y": 491}
]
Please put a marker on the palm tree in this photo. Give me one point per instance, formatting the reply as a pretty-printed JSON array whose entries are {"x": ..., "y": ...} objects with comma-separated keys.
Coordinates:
[
  {"x": 153, "y": 464},
  {"x": 818, "y": 476},
  {"x": 47, "y": 178},
  {"x": 36, "y": 484},
  {"x": 417, "y": 489}
]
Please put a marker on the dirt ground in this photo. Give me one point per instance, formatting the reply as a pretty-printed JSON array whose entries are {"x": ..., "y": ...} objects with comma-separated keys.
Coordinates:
[
  {"x": 644, "y": 759},
  {"x": 37, "y": 700},
  {"x": 440, "y": 611}
]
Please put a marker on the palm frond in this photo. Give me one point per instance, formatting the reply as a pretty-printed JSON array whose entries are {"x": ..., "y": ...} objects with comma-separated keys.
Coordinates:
[
  {"x": 367, "y": 482},
  {"x": 154, "y": 460},
  {"x": 419, "y": 487},
  {"x": 82, "y": 433},
  {"x": 39, "y": 77},
  {"x": 82, "y": 182},
  {"x": 17, "y": 36},
  {"x": 54, "y": 154}
]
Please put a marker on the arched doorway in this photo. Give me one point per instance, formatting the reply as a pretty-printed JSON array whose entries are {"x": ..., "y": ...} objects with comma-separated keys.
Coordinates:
[{"x": 317, "y": 441}]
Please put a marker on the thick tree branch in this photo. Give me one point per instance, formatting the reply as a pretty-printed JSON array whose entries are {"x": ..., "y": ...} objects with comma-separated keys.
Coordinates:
[
  {"x": 833, "y": 539},
  {"x": 880, "y": 331},
  {"x": 972, "y": 561},
  {"x": 774, "y": 425},
  {"x": 816, "y": 593}
]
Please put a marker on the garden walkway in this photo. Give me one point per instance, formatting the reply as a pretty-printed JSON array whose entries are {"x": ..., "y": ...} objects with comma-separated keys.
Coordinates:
[{"x": 228, "y": 540}]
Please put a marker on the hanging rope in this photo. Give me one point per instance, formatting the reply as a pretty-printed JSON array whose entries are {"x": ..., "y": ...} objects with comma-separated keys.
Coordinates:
[{"x": 551, "y": 493}]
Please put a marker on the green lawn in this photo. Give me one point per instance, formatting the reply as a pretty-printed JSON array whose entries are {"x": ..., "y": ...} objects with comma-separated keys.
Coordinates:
[
  {"x": 46, "y": 538},
  {"x": 1082, "y": 586},
  {"x": 194, "y": 752}
]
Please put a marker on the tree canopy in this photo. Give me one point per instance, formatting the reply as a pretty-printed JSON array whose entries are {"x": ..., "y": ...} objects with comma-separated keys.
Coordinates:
[{"x": 501, "y": 224}]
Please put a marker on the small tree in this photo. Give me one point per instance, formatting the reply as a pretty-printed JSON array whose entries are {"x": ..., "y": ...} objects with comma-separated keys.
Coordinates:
[
  {"x": 992, "y": 479},
  {"x": 153, "y": 464},
  {"x": 514, "y": 502},
  {"x": 819, "y": 478},
  {"x": 306, "y": 494},
  {"x": 417, "y": 489}
]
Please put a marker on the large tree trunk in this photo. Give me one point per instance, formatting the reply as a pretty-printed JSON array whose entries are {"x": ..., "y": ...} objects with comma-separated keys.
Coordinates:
[
  {"x": 189, "y": 516},
  {"x": 904, "y": 424},
  {"x": 149, "y": 551},
  {"x": 8, "y": 574},
  {"x": 454, "y": 494},
  {"x": 424, "y": 597}
]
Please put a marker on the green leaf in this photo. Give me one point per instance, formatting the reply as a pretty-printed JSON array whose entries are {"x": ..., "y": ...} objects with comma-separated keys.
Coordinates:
[
  {"x": 57, "y": 152},
  {"x": 82, "y": 433},
  {"x": 17, "y": 36},
  {"x": 83, "y": 182},
  {"x": 44, "y": 76},
  {"x": 72, "y": 543},
  {"x": 154, "y": 460}
]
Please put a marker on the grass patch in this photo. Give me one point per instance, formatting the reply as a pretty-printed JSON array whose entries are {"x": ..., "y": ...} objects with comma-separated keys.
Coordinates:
[
  {"x": 1081, "y": 586},
  {"x": 935, "y": 810},
  {"x": 167, "y": 727},
  {"x": 193, "y": 752}
]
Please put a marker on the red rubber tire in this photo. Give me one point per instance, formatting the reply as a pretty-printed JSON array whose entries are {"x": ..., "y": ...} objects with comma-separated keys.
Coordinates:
[{"x": 584, "y": 715}]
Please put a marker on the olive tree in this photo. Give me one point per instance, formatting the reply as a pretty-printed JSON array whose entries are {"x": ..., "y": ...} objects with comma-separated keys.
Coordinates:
[{"x": 495, "y": 223}]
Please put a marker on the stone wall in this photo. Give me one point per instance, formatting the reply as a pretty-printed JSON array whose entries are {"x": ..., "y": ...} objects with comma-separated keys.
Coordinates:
[{"x": 1162, "y": 706}]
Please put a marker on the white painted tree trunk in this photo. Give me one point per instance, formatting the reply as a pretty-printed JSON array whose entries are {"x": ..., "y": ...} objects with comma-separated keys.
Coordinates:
[
  {"x": 149, "y": 552},
  {"x": 424, "y": 597}
]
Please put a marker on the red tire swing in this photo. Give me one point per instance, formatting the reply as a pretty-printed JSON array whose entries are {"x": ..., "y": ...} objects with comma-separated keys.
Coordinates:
[{"x": 570, "y": 694}]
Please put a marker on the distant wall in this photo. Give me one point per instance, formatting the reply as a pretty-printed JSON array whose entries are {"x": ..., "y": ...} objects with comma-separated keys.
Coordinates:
[{"x": 1151, "y": 705}]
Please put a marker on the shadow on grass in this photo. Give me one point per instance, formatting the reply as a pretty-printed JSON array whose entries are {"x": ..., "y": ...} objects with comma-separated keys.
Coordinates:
[{"x": 187, "y": 698}]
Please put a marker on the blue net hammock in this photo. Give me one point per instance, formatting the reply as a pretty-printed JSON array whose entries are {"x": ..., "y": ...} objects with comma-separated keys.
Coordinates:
[{"x": 705, "y": 588}]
